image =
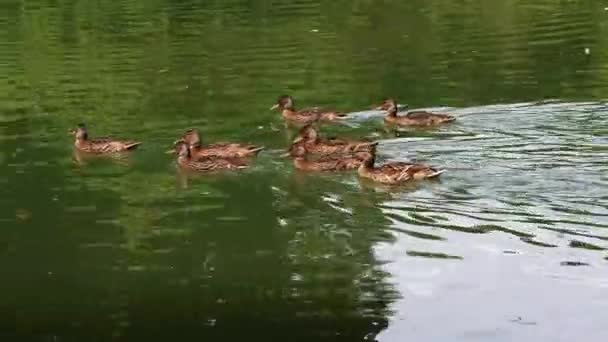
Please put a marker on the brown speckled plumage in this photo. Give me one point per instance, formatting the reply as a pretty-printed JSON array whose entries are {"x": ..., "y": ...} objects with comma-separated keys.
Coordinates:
[
  {"x": 326, "y": 163},
  {"x": 418, "y": 118},
  {"x": 395, "y": 172},
  {"x": 221, "y": 150},
  {"x": 184, "y": 160},
  {"x": 308, "y": 138},
  {"x": 100, "y": 145},
  {"x": 287, "y": 106}
]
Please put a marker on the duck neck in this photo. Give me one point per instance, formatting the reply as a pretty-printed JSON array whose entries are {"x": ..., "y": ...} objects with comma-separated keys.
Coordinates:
[
  {"x": 195, "y": 147},
  {"x": 367, "y": 165},
  {"x": 300, "y": 162},
  {"x": 310, "y": 141},
  {"x": 182, "y": 159},
  {"x": 392, "y": 112},
  {"x": 195, "y": 140},
  {"x": 287, "y": 112},
  {"x": 80, "y": 141},
  {"x": 312, "y": 137},
  {"x": 81, "y": 135},
  {"x": 184, "y": 155}
]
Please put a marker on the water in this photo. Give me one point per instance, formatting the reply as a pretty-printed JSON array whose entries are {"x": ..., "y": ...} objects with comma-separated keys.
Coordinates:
[{"x": 509, "y": 245}]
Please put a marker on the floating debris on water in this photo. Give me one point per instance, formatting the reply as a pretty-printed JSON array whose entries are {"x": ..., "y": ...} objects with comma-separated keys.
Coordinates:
[
  {"x": 574, "y": 263},
  {"x": 433, "y": 255}
]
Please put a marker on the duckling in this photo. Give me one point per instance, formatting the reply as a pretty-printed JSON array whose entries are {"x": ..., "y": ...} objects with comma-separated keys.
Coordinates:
[
  {"x": 326, "y": 163},
  {"x": 287, "y": 106},
  {"x": 100, "y": 145},
  {"x": 184, "y": 160},
  {"x": 396, "y": 172},
  {"x": 222, "y": 150},
  {"x": 417, "y": 118},
  {"x": 309, "y": 138}
]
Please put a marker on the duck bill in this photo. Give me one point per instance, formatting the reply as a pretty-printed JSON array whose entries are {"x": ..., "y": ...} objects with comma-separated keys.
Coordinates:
[
  {"x": 274, "y": 107},
  {"x": 285, "y": 155},
  {"x": 170, "y": 152}
]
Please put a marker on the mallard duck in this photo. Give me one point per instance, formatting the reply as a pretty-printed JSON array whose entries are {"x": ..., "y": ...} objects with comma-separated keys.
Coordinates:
[
  {"x": 396, "y": 172},
  {"x": 326, "y": 163},
  {"x": 309, "y": 138},
  {"x": 286, "y": 104},
  {"x": 184, "y": 160},
  {"x": 418, "y": 118},
  {"x": 222, "y": 150},
  {"x": 100, "y": 145}
]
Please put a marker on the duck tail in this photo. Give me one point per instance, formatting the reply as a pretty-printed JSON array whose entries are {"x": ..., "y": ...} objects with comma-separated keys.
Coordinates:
[
  {"x": 132, "y": 145},
  {"x": 368, "y": 146},
  {"x": 448, "y": 118},
  {"x": 256, "y": 150},
  {"x": 341, "y": 116},
  {"x": 333, "y": 116},
  {"x": 435, "y": 174}
]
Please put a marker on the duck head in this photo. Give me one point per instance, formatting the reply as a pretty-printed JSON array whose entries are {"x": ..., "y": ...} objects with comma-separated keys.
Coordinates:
[
  {"x": 80, "y": 132},
  {"x": 298, "y": 142},
  {"x": 298, "y": 151},
  {"x": 183, "y": 151},
  {"x": 308, "y": 133},
  {"x": 284, "y": 102},
  {"x": 192, "y": 137},
  {"x": 389, "y": 105},
  {"x": 368, "y": 158}
]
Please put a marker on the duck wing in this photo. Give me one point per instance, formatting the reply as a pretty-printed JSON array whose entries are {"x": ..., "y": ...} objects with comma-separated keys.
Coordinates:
[
  {"x": 216, "y": 164},
  {"x": 333, "y": 141},
  {"x": 336, "y": 145},
  {"x": 329, "y": 163},
  {"x": 227, "y": 150},
  {"x": 431, "y": 118},
  {"x": 303, "y": 116},
  {"x": 108, "y": 145},
  {"x": 321, "y": 114},
  {"x": 401, "y": 171}
]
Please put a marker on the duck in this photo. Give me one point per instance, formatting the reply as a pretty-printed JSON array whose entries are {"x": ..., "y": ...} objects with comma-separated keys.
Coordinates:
[
  {"x": 326, "y": 163},
  {"x": 395, "y": 172},
  {"x": 100, "y": 145},
  {"x": 309, "y": 138},
  {"x": 221, "y": 150},
  {"x": 419, "y": 118},
  {"x": 185, "y": 161},
  {"x": 286, "y": 104}
]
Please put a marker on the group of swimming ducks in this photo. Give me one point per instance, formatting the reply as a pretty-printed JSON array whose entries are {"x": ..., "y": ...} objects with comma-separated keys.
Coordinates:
[{"x": 309, "y": 151}]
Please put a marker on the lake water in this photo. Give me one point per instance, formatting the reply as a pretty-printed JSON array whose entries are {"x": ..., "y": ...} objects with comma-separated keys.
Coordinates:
[{"x": 508, "y": 246}]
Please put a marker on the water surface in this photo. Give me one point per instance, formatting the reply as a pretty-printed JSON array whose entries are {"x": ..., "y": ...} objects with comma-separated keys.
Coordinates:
[{"x": 509, "y": 245}]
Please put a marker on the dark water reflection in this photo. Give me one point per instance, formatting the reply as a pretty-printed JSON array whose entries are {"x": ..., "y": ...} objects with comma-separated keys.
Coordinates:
[{"x": 509, "y": 245}]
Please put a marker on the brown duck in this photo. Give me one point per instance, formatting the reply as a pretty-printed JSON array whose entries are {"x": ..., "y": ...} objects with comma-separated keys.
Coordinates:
[
  {"x": 222, "y": 150},
  {"x": 396, "y": 172},
  {"x": 287, "y": 106},
  {"x": 418, "y": 118},
  {"x": 308, "y": 137},
  {"x": 209, "y": 164},
  {"x": 100, "y": 145},
  {"x": 326, "y": 163}
]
